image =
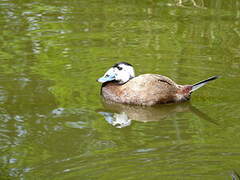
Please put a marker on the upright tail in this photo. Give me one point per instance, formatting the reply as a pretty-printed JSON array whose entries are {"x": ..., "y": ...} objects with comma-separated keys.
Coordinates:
[{"x": 202, "y": 83}]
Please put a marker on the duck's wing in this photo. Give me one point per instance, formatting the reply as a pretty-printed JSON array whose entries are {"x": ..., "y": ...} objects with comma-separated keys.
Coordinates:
[
  {"x": 151, "y": 81},
  {"x": 150, "y": 89},
  {"x": 163, "y": 79}
]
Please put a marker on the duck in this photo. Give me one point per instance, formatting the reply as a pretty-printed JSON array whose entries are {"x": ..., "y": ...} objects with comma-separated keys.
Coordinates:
[{"x": 120, "y": 85}]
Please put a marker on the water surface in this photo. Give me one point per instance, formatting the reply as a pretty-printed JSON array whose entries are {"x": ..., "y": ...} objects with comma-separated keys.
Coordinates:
[{"x": 53, "y": 123}]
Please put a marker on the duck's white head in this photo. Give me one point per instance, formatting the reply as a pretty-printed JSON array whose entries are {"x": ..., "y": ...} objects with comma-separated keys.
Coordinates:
[{"x": 121, "y": 72}]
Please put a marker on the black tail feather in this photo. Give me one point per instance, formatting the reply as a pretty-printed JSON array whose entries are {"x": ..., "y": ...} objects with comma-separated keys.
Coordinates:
[{"x": 202, "y": 83}]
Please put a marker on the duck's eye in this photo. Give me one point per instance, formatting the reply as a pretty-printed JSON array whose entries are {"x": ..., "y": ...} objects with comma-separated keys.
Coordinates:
[
  {"x": 107, "y": 75},
  {"x": 119, "y": 68}
]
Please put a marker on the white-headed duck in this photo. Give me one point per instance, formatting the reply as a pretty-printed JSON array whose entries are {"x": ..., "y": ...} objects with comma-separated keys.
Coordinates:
[{"x": 120, "y": 85}]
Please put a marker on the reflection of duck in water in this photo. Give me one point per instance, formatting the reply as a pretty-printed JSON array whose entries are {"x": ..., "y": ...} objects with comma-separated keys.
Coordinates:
[
  {"x": 120, "y": 85},
  {"x": 121, "y": 115}
]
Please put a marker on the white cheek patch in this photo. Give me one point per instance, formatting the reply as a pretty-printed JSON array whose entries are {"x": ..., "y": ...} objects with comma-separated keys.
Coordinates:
[
  {"x": 122, "y": 77},
  {"x": 124, "y": 73},
  {"x": 129, "y": 70}
]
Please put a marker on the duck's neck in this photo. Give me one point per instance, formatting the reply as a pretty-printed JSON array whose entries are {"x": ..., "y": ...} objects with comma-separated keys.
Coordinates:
[{"x": 111, "y": 90}]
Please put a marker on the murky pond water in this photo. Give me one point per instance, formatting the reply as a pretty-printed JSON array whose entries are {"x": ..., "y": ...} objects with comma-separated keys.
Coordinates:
[{"x": 53, "y": 123}]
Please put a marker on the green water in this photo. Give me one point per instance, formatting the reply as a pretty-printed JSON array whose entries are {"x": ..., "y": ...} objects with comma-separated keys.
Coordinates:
[{"x": 53, "y": 123}]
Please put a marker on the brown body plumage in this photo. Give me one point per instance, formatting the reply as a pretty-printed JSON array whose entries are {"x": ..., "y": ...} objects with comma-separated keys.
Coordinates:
[{"x": 146, "y": 89}]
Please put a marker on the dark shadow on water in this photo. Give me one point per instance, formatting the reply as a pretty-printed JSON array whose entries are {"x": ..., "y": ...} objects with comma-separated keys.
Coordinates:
[
  {"x": 120, "y": 115},
  {"x": 235, "y": 175}
]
